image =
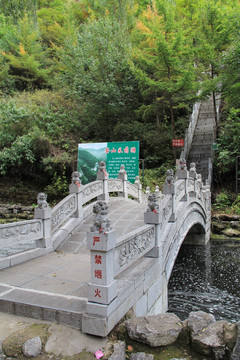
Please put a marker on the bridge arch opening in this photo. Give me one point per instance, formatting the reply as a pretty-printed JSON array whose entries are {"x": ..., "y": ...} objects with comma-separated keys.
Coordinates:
[{"x": 196, "y": 235}]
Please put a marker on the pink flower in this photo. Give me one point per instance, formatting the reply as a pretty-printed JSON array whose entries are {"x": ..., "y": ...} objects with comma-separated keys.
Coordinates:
[{"x": 98, "y": 354}]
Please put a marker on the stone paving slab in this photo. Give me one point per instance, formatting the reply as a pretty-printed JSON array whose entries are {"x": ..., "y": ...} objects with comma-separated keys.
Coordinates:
[{"x": 54, "y": 287}]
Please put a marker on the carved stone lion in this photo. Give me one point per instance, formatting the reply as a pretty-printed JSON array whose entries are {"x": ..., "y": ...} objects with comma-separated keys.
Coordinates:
[
  {"x": 102, "y": 166},
  {"x": 122, "y": 169},
  {"x": 182, "y": 164},
  {"x": 169, "y": 178},
  {"x": 101, "y": 223},
  {"x": 152, "y": 203},
  {"x": 75, "y": 177},
  {"x": 42, "y": 201},
  {"x": 193, "y": 167}
]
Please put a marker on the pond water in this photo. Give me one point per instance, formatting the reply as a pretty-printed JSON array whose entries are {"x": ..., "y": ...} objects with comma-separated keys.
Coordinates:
[{"x": 207, "y": 279}]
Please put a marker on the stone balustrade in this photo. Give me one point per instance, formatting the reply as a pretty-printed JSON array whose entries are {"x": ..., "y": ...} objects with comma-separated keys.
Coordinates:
[
  {"x": 48, "y": 222},
  {"x": 111, "y": 256}
]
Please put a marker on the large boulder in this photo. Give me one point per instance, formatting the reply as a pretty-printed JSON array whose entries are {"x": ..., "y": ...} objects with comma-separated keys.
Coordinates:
[
  {"x": 216, "y": 340},
  {"x": 155, "y": 330},
  {"x": 198, "y": 321}
]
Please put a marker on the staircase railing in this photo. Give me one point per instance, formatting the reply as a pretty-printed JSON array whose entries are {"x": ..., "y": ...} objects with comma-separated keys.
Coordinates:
[{"x": 190, "y": 130}]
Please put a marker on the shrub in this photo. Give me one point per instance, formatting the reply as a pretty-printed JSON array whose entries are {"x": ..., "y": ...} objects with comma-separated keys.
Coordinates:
[
  {"x": 58, "y": 188},
  {"x": 222, "y": 201},
  {"x": 236, "y": 205}
]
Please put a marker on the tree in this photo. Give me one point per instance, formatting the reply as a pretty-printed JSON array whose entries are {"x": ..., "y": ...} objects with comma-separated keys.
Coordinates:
[
  {"x": 97, "y": 74},
  {"x": 214, "y": 24},
  {"x": 24, "y": 56},
  {"x": 163, "y": 64},
  {"x": 16, "y": 9},
  {"x": 228, "y": 144}
]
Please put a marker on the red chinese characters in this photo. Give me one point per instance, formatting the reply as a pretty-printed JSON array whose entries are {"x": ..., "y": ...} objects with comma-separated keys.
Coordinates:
[
  {"x": 95, "y": 240},
  {"x": 97, "y": 293},
  {"x": 98, "y": 274},
  {"x": 98, "y": 259}
]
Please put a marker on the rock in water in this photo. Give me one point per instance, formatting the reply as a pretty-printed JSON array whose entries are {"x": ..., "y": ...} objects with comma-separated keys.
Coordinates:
[
  {"x": 32, "y": 347},
  {"x": 155, "y": 330}
]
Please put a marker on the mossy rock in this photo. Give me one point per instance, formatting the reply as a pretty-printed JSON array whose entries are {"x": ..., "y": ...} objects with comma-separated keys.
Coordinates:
[
  {"x": 218, "y": 227},
  {"x": 218, "y": 238},
  {"x": 12, "y": 345},
  {"x": 232, "y": 233}
]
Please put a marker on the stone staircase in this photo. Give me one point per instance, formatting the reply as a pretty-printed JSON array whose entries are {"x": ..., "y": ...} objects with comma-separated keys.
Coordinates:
[{"x": 204, "y": 137}]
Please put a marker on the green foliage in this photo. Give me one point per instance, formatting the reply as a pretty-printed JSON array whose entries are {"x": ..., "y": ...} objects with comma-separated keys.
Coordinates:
[
  {"x": 155, "y": 177},
  {"x": 230, "y": 76},
  {"x": 96, "y": 72},
  {"x": 163, "y": 64},
  {"x": 229, "y": 144},
  {"x": 16, "y": 9},
  {"x": 236, "y": 205},
  {"x": 222, "y": 201},
  {"x": 58, "y": 188},
  {"x": 20, "y": 158},
  {"x": 120, "y": 69},
  {"x": 14, "y": 121},
  {"x": 24, "y": 57}
]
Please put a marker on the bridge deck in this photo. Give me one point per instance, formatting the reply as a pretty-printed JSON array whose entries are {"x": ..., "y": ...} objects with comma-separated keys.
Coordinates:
[{"x": 54, "y": 286}]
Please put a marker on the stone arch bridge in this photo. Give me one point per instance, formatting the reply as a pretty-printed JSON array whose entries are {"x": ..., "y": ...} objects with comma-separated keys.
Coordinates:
[{"x": 94, "y": 256}]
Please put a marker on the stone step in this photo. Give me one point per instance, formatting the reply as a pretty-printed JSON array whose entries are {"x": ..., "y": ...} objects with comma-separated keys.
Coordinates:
[
  {"x": 200, "y": 148},
  {"x": 205, "y": 136},
  {"x": 41, "y": 305},
  {"x": 205, "y": 128}
]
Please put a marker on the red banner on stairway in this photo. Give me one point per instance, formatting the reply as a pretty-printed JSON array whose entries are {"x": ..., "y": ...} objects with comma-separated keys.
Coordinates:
[{"x": 178, "y": 142}]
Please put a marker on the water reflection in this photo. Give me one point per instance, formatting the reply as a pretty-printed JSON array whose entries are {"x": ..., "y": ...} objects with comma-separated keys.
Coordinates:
[{"x": 207, "y": 279}]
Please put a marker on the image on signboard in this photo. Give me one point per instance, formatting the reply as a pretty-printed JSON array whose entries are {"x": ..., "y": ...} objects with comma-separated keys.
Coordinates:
[
  {"x": 114, "y": 154},
  {"x": 89, "y": 156}
]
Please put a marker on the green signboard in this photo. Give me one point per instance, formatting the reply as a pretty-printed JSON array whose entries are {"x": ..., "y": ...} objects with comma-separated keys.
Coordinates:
[
  {"x": 214, "y": 146},
  {"x": 114, "y": 154}
]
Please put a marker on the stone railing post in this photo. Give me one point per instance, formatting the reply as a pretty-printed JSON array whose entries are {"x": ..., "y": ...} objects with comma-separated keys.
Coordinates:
[
  {"x": 182, "y": 173},
  {"x": 154, "y": 216},
  {"x": 193, "y": 175},
  {"x": 122, "y": 175},
  {"x": 75, "y": 188},
  {"x": 101, "y": 240},
  {"x": 139, "y": 185},
  {"x": 169, "y": 189},
  {"x": 44, "y": 212},
  {"x": 103, "y": 175},
  {"x": 199, "y": 185}
]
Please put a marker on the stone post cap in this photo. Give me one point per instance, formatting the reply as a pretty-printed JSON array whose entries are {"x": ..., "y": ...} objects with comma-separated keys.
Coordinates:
[
  {"x": 101, "y": 241},
  {"x": 45, "y": 213}
]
